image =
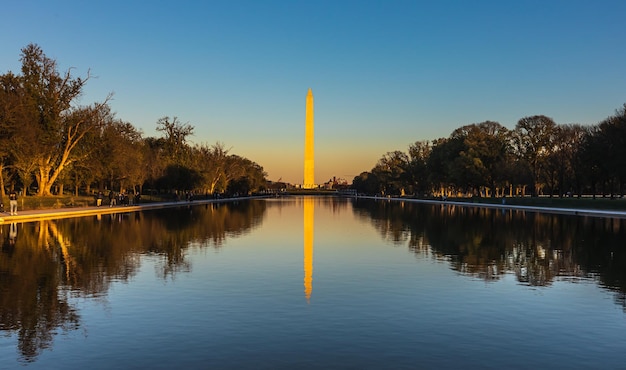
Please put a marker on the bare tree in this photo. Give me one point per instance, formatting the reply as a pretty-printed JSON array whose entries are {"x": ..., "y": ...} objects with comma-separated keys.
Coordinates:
[
  {"x": 212, "y": 164},
  {"x": 175, "y": 136}
]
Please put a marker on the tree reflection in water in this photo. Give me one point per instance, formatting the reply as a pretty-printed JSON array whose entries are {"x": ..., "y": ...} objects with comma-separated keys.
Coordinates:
[
  {"x": 34, "y": 300},
  {"x": 487, "y": 243},
  {"x": 44, "y": 264}
]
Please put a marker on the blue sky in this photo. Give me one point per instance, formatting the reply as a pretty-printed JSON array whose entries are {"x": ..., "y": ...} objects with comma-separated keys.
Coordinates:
[{"x": 384, "y": 73}]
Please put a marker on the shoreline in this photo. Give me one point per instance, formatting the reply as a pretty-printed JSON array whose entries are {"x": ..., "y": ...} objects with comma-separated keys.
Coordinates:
[{"x": 59, "y": 213}]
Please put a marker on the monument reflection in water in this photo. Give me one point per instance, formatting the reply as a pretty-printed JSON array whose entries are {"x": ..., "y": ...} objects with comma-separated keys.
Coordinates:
[
  {"x": 309, "y": 226},
  {"x": 397, "y": 285}
]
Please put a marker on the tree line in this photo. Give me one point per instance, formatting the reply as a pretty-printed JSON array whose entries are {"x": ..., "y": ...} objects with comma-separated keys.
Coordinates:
[
  {"x": 537, "y": 157},
  {"x": 49, "y": 142}
]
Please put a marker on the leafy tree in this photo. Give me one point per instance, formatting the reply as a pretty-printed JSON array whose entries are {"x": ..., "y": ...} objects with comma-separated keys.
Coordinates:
[
  {"x": 517, "y": 172},
  {"x": 366, "y": 183},
  {"x": 560, "y": 164},
  {"x": 441, "y": 163},
  {"x": 465, "y": 168},
  {"x": 591, "y": 159},
  {"x": 11, "y": 112},
  {"x": 392, "y": 169},
  {"x": 534, "y": 140},
  {"x": 154, "y": 160},
  {"x": 581, "y": 166},
  {"x": 180, "y": 178},
  {"x": 120, "y": 156},
  {"x": 254, "y": 174},
  {"x": 168, "y": 159},
  {"x": 487, "y": 149},
  {"x": 238, "y": 167},
  {"x": 80, "y": 175},
  {"x": 54, "y": 126},
  {"x": 611, "y": 142},
  {"x": 240, "y": 186},
  {"x": 417, "y": 174}
]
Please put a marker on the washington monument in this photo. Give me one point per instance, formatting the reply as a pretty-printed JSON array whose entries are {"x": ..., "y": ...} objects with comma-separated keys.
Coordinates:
[{"x": 309, "y": 158}]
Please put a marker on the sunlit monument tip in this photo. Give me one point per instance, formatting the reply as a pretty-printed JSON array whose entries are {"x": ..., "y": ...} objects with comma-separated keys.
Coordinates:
[{"x": 309, "y": 161}]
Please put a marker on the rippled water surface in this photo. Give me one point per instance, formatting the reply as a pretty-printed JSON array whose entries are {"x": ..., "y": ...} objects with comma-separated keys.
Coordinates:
[{"x": 314, "y": 282}]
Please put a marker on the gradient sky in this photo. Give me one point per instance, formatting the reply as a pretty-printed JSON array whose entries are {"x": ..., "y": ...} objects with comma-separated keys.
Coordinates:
[{"x": 384, "y": 73}]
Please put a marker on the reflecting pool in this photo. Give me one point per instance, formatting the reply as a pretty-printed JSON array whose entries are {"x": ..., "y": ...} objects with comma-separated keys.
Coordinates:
[{"x": 314, "y": 282}]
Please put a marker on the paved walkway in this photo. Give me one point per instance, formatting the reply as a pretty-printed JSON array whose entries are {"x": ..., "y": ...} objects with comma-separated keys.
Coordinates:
[{"x": 42, "y": 214}]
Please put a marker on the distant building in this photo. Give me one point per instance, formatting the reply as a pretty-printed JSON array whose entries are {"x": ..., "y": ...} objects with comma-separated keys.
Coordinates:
[{"x": 336, "y": 184}]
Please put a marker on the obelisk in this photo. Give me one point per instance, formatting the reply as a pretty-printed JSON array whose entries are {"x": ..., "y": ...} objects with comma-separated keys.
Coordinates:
[{"x": 309, "y": 160}]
